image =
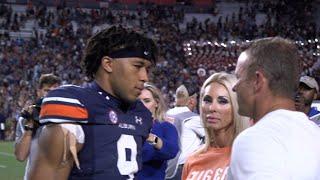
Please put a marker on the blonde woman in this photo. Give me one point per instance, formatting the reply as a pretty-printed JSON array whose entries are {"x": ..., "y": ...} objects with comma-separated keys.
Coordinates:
[
  {"x": 162, "y": 143},
  {"x": 219, "y": 114}
]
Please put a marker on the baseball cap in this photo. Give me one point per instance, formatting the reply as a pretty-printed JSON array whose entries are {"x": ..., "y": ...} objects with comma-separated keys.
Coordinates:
[{"x": 310, "y": 82}]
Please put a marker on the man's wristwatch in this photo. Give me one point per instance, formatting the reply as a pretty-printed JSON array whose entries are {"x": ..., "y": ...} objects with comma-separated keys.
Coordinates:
[
  {"x": 155, "y": 140},
  {"x": 28, "y": 128}
]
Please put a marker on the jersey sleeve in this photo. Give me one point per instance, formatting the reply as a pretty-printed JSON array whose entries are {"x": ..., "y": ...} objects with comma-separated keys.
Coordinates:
[
  {"x": 63, "y": 105},
  {"x": 170, "y": 146}
]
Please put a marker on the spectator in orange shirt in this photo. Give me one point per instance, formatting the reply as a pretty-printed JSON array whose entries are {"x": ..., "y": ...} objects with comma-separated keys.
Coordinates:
[{"x": 219, "y": 114}]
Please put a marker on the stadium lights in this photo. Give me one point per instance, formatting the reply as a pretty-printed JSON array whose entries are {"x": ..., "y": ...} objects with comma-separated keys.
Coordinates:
[{"x": 188, "y": 46}]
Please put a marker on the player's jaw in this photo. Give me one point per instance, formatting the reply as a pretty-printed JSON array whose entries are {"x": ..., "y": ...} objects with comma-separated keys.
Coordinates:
[{"x": 138, "y": 88}]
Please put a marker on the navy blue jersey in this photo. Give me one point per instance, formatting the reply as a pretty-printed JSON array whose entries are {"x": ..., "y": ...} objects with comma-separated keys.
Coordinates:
[{"x": 114, "y": 131}]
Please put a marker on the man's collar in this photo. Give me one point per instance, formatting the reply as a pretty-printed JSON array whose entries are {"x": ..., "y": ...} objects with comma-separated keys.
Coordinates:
[{"x": 177, "y": 110}]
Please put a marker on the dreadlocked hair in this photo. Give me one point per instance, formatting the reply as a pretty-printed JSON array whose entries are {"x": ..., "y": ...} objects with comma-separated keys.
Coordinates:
[{"x": 109, "y": 40}]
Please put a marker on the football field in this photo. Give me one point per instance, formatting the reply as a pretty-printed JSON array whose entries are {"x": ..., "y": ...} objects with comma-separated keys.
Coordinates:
[{"x": 10, "y": 168}]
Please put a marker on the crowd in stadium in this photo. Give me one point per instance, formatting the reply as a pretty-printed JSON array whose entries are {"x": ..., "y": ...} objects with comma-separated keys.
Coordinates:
[
  {"x": 58, "y": 48},
  {"x": 156, "y": 91}
]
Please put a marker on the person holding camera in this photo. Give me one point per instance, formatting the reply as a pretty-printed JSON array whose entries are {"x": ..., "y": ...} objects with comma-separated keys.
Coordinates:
[{"x": 28, "y": 121}]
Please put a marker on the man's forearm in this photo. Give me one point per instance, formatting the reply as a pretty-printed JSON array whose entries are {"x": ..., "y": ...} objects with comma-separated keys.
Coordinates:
[{"x": 22, "y": 146}]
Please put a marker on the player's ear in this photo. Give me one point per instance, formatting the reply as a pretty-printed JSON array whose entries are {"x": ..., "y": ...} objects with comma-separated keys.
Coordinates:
[{"x": 106, "y": 63}]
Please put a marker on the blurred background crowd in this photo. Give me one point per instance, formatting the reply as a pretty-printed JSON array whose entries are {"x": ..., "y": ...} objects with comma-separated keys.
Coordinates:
[{"x": 36, "y": 38}]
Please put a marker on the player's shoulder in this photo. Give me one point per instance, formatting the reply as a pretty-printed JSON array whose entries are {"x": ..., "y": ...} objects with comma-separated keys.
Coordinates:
[
  {"x": 66, "y": 94},
  {"x": 140, "y": 108},
  {"x": 73, "y": 93},
  {"x": 66, "y": 91},
  {"x": 140, "y": 114},
  {"x": 64, "y": 104}
]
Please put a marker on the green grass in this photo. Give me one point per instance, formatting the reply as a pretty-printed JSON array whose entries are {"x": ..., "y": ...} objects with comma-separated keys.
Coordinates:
[{"x": 10, "y": 168}]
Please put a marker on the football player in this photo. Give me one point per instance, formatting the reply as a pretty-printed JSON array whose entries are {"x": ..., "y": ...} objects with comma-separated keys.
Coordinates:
[{"x": 97, "y": 131}]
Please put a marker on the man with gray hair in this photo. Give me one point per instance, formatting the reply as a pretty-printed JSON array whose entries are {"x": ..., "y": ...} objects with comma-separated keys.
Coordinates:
[
  {"x": 268, "y": 77},
  {"x": 189, "y": 127}
]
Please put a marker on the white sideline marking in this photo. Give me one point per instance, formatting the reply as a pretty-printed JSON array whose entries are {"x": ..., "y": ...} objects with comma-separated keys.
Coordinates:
[
  {"x": 6, "y": 154},
  {"x": 3, "y": 166}
]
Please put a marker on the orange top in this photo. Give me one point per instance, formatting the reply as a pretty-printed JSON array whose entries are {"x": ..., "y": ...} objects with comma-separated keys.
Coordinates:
[{"x": 212, "y": 164}]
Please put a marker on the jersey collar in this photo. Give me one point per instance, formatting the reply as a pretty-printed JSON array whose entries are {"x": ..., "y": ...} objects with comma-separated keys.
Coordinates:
[{"x": 114, "y": 101}]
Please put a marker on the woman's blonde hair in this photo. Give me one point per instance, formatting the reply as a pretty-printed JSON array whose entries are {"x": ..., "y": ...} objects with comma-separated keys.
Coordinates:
[
  {"x": 239, "y": 122},
  {"x": 161, "y": 109}
]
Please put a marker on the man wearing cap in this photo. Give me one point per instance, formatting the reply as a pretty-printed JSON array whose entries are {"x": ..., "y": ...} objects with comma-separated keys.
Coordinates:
[
  {"x": 97, "y": 131},
  {"x": 308, "y": 90},
  {"x": 189, "y": 127}
]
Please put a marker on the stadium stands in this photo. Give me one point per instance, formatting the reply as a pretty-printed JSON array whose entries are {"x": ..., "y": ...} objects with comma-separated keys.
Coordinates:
[{"x": 46, "y": 39}]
